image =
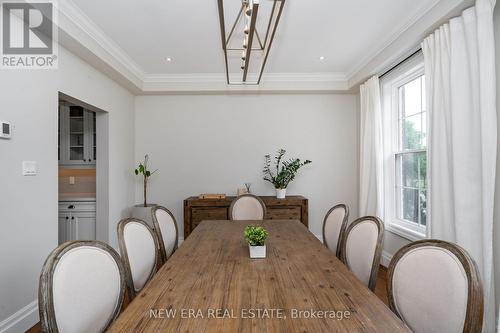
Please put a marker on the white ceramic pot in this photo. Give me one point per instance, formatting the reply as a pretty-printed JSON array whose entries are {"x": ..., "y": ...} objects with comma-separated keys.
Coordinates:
[
  {"x": 280, "y": 193},
  {"x": 257, "y": 251},
  {"x": 144, "y": 213}
]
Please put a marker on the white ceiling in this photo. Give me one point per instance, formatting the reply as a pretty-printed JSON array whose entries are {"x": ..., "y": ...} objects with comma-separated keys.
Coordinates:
[{"x": 348, "y": 33}]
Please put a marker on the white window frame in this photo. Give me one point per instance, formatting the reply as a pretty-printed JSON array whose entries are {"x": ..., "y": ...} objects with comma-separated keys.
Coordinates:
[{"x": 405, "y": 73}]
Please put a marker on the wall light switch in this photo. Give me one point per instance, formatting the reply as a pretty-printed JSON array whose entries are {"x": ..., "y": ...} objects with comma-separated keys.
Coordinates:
[
  {"x": 72, "y": 180},
  {"x": 29, "y": 168}
]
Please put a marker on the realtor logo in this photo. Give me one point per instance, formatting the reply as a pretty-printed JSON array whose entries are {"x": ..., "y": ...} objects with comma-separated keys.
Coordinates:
[{"x": 29, "y": 34}]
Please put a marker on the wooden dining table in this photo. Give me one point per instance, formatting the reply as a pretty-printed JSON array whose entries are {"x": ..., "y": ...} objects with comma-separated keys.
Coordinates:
[{"x": 210, "y": 284}]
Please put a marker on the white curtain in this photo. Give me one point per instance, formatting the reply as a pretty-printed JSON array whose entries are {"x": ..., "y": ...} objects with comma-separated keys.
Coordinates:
[
  {"x": 371, "y": 172},
  {"x": 461, "y": 99}
]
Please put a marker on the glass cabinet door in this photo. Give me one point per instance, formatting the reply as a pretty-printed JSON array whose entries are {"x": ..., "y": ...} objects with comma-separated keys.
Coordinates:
[
  {"x": 76, "y": 134},
  {"x": 94, "y": 139},
  {"x": 92, "y": 153}
]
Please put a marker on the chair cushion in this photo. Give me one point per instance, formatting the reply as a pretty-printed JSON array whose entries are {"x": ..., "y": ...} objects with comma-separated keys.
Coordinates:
[
  {"x": 247, "y": 208},
  {"x": 430, "y": 290},
  {"x": 167, "y": 229},
  {"x": 361, "y": 244},
  {"x": 141, "y": 252},
  {"x": 86, "y": 290},
  {"x": 333, "y": 223}
]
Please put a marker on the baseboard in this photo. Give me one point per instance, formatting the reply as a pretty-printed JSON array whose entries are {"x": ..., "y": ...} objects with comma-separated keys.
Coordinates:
[
  {"x": 22, "y": 320},
  {"x": 180, "y": 240},
  {"x": 320, "y": 237},
  {"x": 386, "y": 259}
]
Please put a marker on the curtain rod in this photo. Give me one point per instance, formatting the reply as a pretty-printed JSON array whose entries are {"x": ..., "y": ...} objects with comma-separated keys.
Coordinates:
[{"x": 399, "y": 63}]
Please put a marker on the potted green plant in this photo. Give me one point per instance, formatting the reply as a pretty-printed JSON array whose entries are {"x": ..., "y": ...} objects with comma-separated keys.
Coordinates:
[
  {"x": 284, "y": 174},
  {"x": 256, "y": 238},
  {"x": 143, "y": 211}
]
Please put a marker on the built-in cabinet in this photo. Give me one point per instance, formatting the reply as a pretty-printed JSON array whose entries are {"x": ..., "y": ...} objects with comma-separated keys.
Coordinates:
[
  {"x": 77, "y": 136},
  {"x": 77, "y": 220}
]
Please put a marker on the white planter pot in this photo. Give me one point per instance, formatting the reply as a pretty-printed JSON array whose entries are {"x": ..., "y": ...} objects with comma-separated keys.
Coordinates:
[
  {"x": 280, "y": 193},
  {"x": 144, "y": 213},
  {"x": 257, "y": 251}
]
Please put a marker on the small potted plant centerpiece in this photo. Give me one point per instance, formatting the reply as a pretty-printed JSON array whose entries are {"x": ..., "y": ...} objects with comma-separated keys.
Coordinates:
[
  {"x": 143, "y": 211},
  {"x": 256, "y": 238},
  {"x": 284, "y": 174}
]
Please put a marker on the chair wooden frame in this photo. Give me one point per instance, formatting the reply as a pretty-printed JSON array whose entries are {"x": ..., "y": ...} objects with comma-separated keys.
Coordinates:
[
  {"x": 475, "y": 303},
  {"x": 157, "y": 230},
  {"x": 264, "y": 210},
  {"x": 343, "y": 227},
  {"x": 45, "y": 290},
  {"x": 378, "y": 250},
  {"x": 123, "y": 250}
]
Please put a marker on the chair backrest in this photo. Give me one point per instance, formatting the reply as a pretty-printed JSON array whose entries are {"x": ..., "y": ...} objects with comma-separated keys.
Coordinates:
[
  {"x": 81, "y": 288},
  {"x": 166, "y": 231},
  {"x": 362, "y": 248},
  {"x": 247, "y": 207},
  {"x": 139, "y": 250},
  {"x": 434, "y": 286},
  {"x": 334, "y": 226}
]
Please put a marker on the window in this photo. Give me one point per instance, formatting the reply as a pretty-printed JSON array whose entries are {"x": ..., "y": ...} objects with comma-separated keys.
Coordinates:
[
  {"x": 405, "y": 151},
  {"x": 411, "y": 157}
]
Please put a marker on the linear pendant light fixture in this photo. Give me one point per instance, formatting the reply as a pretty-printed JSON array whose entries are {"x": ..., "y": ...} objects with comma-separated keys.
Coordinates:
[{"x": 247, "y": 15}]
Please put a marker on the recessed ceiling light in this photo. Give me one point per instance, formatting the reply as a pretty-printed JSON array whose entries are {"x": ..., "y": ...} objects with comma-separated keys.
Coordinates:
[
  {"x": 169, "y": 59},
  {"x": 321, "y": 58}
]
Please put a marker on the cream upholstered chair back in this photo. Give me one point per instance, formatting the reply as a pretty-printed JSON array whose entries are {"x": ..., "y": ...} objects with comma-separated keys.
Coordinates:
[
  {"x": 434, "y": 287},
  {"x": 166, "y": 231},
  {"x": 362, "y": 248},
  {"x": 139, "y": 250},
  {"x": 334, "y": 226},
  {"x": 247, "y": 207},
  {"x": 81, "y": 288}
]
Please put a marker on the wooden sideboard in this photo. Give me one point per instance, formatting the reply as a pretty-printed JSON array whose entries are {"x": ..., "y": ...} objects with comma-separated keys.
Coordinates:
[{"x": 197, "y": 210}]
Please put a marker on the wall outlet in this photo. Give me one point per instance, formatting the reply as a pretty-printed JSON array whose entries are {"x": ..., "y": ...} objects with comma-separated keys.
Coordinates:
[
  {"x": 72, "y": 180},
  {"x": 29, "y": 168}
]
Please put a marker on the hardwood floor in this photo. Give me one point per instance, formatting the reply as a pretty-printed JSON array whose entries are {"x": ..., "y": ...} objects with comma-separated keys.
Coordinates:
[
  {"x": 380, "y": 287},
  {"x": 35, "y": 329},
  {"x": 380, "y": 291}
]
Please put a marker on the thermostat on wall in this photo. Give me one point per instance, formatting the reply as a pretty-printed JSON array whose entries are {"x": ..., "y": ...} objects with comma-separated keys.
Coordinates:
[{"x": 5, "y": 130}]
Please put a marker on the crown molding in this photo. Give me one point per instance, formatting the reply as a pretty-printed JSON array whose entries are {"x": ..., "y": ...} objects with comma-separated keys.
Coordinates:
[
  {"x": 76, "y": 26},
  {"x": 396, "y": 33},
  {"x": 323, "y": 82},
  {"x": 80, "y": 35},
  {"x": 405, "y": 40}
]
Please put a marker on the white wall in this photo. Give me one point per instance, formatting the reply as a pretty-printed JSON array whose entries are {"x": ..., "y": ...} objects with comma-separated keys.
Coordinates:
[
  {"x": 28, "y": 205},
  {"x": 216, "y": 143}
]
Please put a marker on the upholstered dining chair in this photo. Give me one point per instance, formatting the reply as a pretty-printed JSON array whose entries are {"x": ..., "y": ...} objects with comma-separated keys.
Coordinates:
[
  {"x": 434, "y": 286},
  {"x": 334, "y": 226},
  {"x": 139, "y": 250},
  {"x": 81, "y": 289},
  {"x": 362, "y": 248},
  {"x": 247, "y": 207},
  {"x": 166, "y": 231}
]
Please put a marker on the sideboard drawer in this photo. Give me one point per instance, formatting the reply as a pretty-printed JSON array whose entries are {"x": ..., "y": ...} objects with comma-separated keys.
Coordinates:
[
  {"x": 284, "y": 213},
  {"x": 199, "y": 214}
]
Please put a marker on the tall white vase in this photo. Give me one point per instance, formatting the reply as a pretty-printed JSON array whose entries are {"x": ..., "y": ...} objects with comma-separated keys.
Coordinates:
[
  {"x": 143, "y": 213},
  {"x": 280, "y": 193}
]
